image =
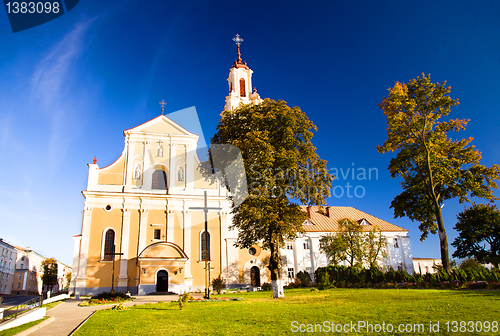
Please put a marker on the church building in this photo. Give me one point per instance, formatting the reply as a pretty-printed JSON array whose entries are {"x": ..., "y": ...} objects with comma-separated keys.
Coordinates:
[{"x": 143, "y": 226}]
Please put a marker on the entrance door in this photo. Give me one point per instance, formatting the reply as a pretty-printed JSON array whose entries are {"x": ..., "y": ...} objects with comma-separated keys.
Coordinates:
[
  {"x": 255, "y": 276},
  {"x": 162, "y": 281}
]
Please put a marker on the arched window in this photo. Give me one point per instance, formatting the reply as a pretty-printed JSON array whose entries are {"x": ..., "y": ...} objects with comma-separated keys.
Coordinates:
[
  {"x": 109, "y": 245},
  {"x": 242, "y": 88},
  {"x": 205, "y": 246},
  {"x": 159, "y": 180}
]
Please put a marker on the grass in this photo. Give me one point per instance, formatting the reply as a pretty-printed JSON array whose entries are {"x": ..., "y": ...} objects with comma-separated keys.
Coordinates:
[
  {"x": 23, "y": 327},
  {"x": 259, "y": 314}
]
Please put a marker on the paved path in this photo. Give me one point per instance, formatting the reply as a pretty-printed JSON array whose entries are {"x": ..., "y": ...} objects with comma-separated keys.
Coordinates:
[{"x": 68, "y": 316}]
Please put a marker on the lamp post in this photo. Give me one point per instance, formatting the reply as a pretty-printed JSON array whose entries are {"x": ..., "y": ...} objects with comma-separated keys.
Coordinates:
[{"x": 113, "y": 273}]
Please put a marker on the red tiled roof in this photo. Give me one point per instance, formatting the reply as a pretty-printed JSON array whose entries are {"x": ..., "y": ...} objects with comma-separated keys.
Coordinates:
[{"x": 322, "y": 223}]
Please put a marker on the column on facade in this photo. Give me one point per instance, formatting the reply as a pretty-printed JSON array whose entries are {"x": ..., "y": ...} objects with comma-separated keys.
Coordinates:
[
  {"x": 147, "y": 171},
  {"x": 190, "y": 167},
  {"x": 125, "y": 241},
  {"x": 171, "y": 177},
  {"x": 77, "y": 241},
  {"x": 170, "y": 225},
  {"x": 143, "y": 229},
  {"x": 129, "y": 160},
  {"x": 84, "y": 252},
  {"x": 223, "y": 232},
  {"x": 187, "y": 245},
  {"x": 311, "y": 253}
]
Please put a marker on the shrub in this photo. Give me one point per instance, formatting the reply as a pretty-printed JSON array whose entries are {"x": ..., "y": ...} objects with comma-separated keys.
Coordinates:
[
  {"x": 305, "y": 279},
  {"x": 109, "y": 295},
  {"x": 266, "y": 286},
  {"x": 183, "y": 300},
  {"x": 218, "y": 284}
]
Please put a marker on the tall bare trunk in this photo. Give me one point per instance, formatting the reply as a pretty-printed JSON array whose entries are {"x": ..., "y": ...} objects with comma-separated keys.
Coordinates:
[
  {"x": 274, "y": 268},
  {"x": 443, "y": 240}
]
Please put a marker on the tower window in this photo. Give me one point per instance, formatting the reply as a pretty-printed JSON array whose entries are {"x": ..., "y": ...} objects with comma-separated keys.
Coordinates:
[
  {"x": 159, "y": 180},
  {"x": 109, "y": 244},
  {"x": 205, "y": 246},
  {"x": 157, "y": 234},
  {"x": 242, "y": 88}
]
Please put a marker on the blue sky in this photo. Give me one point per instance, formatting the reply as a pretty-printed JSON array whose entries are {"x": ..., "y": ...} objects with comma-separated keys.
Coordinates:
[{"x": 68, "y": 89}]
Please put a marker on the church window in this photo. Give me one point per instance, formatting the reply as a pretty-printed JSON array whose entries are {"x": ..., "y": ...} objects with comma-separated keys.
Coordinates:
[
  {"x": 289, "y": 246},
  {"x": 396, "y": 245},
  {"x": 22, "y": 266},
  {"x": 137, "y": 171},
  {"x": 108, "y": 207},
  {"x": 306, "y": 244},
  {"x": 180, "y": 173},
  {"x": 242, "y": 88},
  {"x": 205, "y": 246},
  {"x": 291, "y": 274},
  {"x": 252, "y": 250},
  {"x": 157, "y": 234},
  {"x": 159, "y": 180},
  {"x": 19, "y": 276},
  {"x": 22, "y": 258},
  {"x": 109, "y": 244}
]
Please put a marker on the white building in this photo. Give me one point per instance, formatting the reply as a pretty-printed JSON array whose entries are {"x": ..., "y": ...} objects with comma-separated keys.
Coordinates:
[
  {"x": 304, "y": 253},
  {"x": 7, "y": 266}
]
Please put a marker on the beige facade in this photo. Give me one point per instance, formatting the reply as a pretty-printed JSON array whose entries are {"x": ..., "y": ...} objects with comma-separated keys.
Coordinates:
[
  {"x": 7, "y": 266},
  {"x": 143, "y": 230}
]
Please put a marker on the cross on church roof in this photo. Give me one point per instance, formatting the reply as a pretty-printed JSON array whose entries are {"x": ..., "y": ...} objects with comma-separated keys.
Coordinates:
[
  {"x": 237, "y": 39},
  {"x": 239, "y": 62},
  {"x": 162, "y": 103}
]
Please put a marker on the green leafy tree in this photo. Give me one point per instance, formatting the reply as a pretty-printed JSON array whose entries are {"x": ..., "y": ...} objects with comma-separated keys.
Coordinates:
[
  {"x": 49, "y": 275},
  {"x": 374, "y": 247},
  {"x": 354, "y": 237},
  {"x": 281, "y": 167},
  {"x": 333, "y": 245},
  {"x": 353, "y": 244},
  {"x": 68, "y": 280},
  {"x": 433, "y": 167},
  {"x": 479, "y": 234}
]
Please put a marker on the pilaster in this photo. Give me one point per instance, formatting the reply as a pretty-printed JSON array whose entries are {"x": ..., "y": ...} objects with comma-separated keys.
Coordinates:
[
  {"x": 143, "y": 227},
  {"x": 170, "y": 225},
  {"x": 171, "y": 173},
  {"x": 123, "y": 278},
  {"x": 187, "y": 245}
]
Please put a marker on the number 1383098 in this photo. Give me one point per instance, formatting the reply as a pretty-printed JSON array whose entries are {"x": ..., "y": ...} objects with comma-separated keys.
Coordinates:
[
  {"x": 32, "y": 7},
  {"x": 471, "y": 326}
]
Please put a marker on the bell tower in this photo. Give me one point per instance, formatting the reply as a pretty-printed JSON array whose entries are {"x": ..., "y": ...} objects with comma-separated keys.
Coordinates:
[{"x": 240, "y": 83}]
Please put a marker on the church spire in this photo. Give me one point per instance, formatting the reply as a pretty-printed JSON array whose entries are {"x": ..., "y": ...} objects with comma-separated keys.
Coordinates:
[
  {"x": 239, "y": 62},
  {"x": 240, "y": 83}
]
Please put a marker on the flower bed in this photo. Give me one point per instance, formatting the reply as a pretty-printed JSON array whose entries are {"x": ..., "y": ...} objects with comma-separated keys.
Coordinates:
[{"x": 215, "y": 299}]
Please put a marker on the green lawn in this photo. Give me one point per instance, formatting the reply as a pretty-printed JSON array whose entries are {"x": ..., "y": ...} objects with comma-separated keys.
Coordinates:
[{"x": 259, "y": 314}]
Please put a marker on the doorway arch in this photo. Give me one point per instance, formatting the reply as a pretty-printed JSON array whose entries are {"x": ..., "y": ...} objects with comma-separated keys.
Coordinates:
[
  {"x": 255, "y": 276},
  {"x": 162, "y": 281}
]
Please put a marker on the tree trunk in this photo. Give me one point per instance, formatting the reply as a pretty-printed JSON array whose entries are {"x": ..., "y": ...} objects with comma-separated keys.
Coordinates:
[
  {"x": 443, "y": 240},
  {"x": 274, "y": 268}
]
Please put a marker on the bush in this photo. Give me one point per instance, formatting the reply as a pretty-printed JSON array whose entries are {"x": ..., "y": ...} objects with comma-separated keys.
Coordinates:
[
  {"x": 266, "y": 286},
  {"x": 305, "y": 279},
  {"x": 109, "y": 295},
  {"x": 218, "y": 284},
  {"x": 183, "y": 300}
]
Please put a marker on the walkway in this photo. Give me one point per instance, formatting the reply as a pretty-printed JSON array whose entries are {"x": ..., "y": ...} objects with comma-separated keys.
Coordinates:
[{"x": 68, "y": 316}]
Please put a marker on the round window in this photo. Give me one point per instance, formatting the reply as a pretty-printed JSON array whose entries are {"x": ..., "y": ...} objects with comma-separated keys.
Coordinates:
[
  {"x": 108, "y": 207},
  {"x": 252, "y": 250}
]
